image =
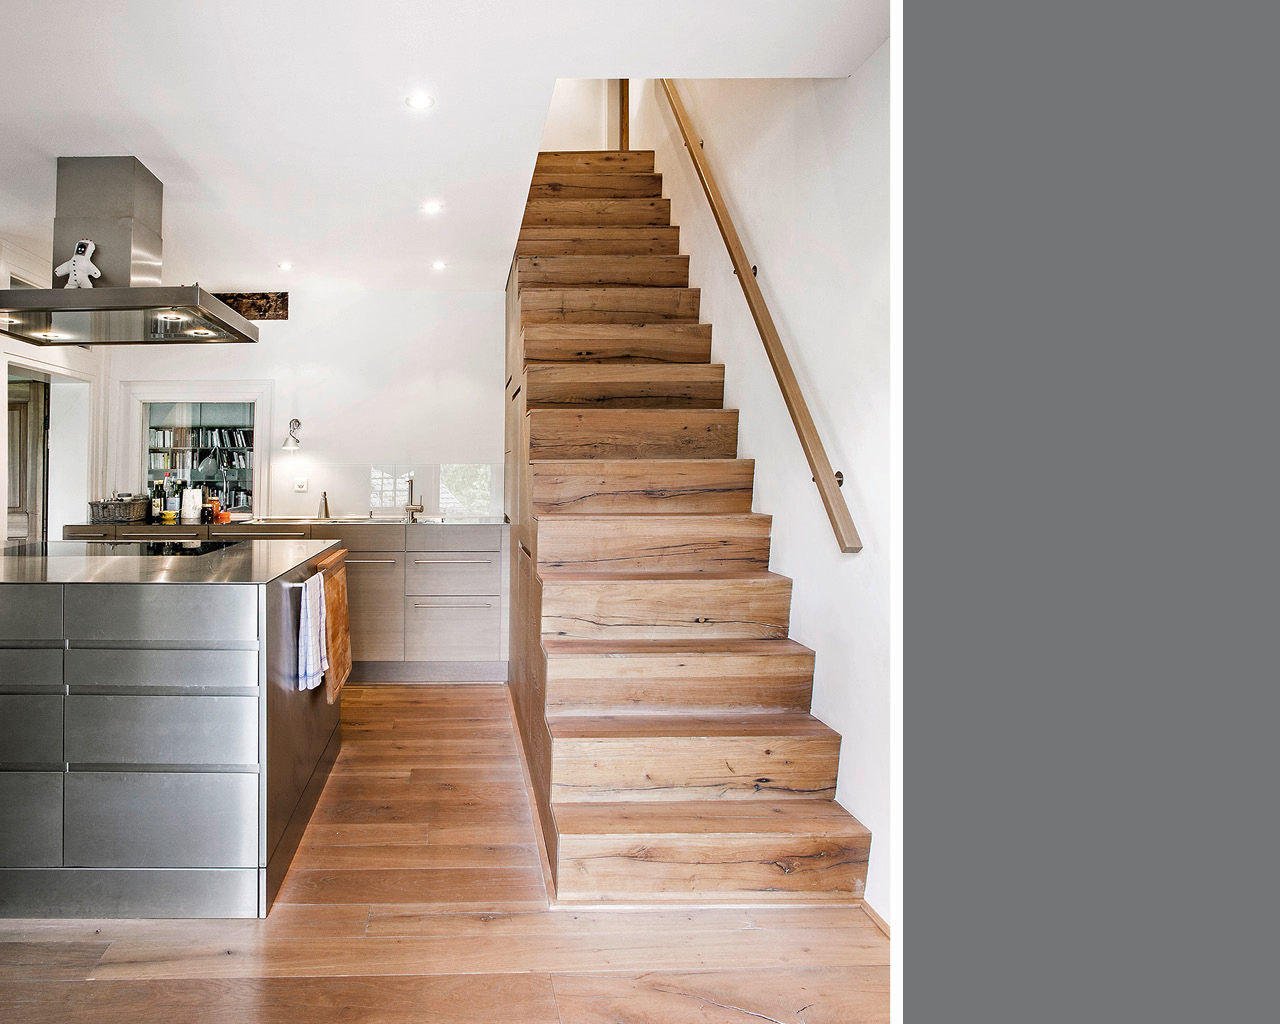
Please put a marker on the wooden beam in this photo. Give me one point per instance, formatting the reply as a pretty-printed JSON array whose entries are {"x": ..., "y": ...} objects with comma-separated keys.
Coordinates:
[
  {"x": 624, "y": 113},
  {"x": 806, "y": 429},
  {"x": 257, "y": 305}
]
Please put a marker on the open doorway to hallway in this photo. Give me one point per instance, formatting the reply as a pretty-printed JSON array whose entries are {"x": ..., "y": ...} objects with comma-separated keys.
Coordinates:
[{"x": 48, "y": 454}]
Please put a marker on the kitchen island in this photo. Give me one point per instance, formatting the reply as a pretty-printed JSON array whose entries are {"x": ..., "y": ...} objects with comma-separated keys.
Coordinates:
[{"x": 156, "y": 756}]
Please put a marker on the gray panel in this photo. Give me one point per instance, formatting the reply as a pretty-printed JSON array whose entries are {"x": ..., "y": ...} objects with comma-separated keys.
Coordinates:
[
  {"x": 31, "y": 670},
  {"x": 365, "y": 537},
  {"x": 96, "y": 531},
  {"x": 453, "y": 573},
  {"x": 120, "y": 730},
  {"x": 449, "y": 537},
  {"x": 143, "y": 671},
  {"x": 31, "y": 730},
  {"x": 31, "y": 611},
  {"x": 451, "y": 628},
  {"x": 260, "y": 531},
  {"x": 300, "y": 724},
  {"x": 375, "y": 604},
  {"x": 31, "y": 819},
  {"x": 158, "y": 531},
  {"x": 154, "y": 819},
  {"x": 183, "y": 613},
  {"x": 108, "y": 892}
]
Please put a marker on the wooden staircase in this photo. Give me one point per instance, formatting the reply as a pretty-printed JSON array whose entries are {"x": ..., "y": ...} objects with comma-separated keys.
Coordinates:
[{"x": 662, "y": 706}]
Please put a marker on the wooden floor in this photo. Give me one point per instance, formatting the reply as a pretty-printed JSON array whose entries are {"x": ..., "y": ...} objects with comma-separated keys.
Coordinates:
[{"x": 418, "y": 896}]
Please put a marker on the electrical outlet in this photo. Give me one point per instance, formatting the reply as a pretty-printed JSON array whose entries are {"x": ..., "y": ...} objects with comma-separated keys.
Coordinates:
[{"x": 300, "y": 485}]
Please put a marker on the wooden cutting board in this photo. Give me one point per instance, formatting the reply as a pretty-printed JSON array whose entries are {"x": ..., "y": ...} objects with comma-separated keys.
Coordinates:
[{"x": 337, "y": 622}]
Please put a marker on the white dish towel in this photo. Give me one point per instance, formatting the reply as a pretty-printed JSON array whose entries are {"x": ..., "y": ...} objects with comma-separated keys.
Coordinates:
[{"x": 313, "y": 654}]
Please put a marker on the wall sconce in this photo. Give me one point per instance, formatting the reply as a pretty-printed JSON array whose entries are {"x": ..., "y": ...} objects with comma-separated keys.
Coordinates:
[{"x": 291, "y": 443}]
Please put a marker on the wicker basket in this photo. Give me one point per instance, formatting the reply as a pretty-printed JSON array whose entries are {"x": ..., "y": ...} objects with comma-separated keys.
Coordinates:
[{"x": 132, "y": 510}]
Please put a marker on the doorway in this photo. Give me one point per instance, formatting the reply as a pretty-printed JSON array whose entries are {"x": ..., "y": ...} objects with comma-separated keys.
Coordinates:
[{"x": 28, "y": 518}]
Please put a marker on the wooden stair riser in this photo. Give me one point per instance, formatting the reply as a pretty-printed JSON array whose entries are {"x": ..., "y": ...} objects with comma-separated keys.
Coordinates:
[
  {"x": 665, "y": 768},
  {"x": 747, "y": 867},
  {"x": 580, "y": 240},
  {"x": 747, "y": 607},
  {"x": 595, "y": 485},
  {"x": 633, "y": 434},
  {"x": 597, "y": 185},
  {"x": 621, "y": 305},
  {"x": 637, "y": 543},
  {"x": 592, "y": 344},
  {"x": 597, "y": 212},
  {"x": 602, "y": 271},
  {"x": 620, "y": 385},
  {"x": 690, "y": 684},
  {"x": 593, "y": 161}
]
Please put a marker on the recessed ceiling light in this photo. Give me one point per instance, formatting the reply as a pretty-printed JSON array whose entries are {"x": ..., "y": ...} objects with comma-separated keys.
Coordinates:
[
  {"x": 201, "y": 332},
  {"x": 286, "y": 265},
  {"x": 419, "y": 101},
  {"x": 438, "y": 265},
  {"x": 51, "y": 335},
  {"x": 171, "y": 318},
  {"x": 432, "y": 206},
  {"x": 9, "y": 320}
]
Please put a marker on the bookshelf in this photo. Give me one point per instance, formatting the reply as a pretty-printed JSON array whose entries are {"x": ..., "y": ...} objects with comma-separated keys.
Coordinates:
[{"x": 209, "y": 444}]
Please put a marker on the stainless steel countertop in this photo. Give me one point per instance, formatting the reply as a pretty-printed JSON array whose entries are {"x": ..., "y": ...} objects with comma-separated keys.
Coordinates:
[{"x": 245, "y": 562}]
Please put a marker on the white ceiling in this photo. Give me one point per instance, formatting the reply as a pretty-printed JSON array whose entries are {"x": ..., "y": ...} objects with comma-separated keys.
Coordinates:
[{"x": 280, "y": 130}]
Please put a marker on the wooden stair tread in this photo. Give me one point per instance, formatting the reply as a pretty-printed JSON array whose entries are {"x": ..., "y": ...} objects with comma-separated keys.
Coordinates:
[
  {"x": 595, "y": 161},
  {"x": 594, "y": 239},
  {"x": 653, "y": 343},
  {"x": 597, "y": 212},
  {"x": 572, "y": 576},
  {"x": 684, "y": 726},
  {"x": 699, "y": 817},
  {"x": 571, "y": 647},
  {"x": 654, "y": 386},
  {"x": 586, "y": 184}
]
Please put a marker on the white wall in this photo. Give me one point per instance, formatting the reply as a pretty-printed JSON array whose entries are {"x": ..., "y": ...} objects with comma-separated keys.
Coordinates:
[
  {"x": 578, "y": 116},
  {"x": 804, "y": 166},
  {"x": 376, "y": 377},
  {"x": 69, "y": 430}
]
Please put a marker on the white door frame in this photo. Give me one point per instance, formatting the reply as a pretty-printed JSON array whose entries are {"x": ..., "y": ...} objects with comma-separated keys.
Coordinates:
[{"x": 131, "y": 415}]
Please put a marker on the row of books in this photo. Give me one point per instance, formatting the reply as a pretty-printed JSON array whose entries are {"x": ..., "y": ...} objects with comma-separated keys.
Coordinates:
[
  {"x": 188, "y": 459},
  {"x": 200, "y": 437}
]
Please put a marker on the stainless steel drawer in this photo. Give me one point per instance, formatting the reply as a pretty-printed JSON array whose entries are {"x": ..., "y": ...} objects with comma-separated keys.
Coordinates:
[
  {"x": 110, "y": 731},
  {"x": 95, "y": 531},
  {"x": 450, "y": 537},
  {"x": 91, "y": 670},
  {"x": 453, "y": 573},
  {"x": 451, "y": 628},
  {"x": 364, "y": 537},
  {"x": 260, "y": 531},
  {"x": 161, "y": 820},
  {"x": 375, "y": 603},
  {"x": 31, "y": 670},
  {"x": 216, "y": 613},
  {"x": 31, "y": 730},
  {"x": 31, "y": 611},
  {"x": 31, "y": 819},
  {"x": 158, "y": 531}
]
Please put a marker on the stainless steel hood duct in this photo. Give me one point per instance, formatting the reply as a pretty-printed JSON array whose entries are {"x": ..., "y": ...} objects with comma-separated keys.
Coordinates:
[{"x": 116, "y": 202}]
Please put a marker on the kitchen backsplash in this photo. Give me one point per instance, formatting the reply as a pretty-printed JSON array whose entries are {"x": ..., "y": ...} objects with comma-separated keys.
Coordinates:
[{"x": 463, "y": 489}]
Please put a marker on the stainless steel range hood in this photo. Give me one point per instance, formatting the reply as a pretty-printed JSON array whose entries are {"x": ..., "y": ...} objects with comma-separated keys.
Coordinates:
[{"x": 116, "y": 202}]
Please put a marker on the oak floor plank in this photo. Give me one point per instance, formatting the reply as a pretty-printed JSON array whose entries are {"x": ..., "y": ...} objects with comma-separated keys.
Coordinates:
[
  {"x": 51, "y": 961},
  {"x": 511, "y": 998},
  {"x": 389, "y": 885},
  {"x": 427, "y": 855},
  {"x": 820, "y": 995}
]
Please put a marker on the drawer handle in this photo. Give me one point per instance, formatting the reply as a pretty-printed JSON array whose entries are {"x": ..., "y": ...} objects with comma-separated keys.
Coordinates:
[
  {"x": 77, "y": 536},
  {"x": 453, "y": 561},
  {"x": 453, "y": 606},
  {"x": 245, "y": 535},
  {"x": 371, "y": 561},
  {"x": 157, "y": 536}
]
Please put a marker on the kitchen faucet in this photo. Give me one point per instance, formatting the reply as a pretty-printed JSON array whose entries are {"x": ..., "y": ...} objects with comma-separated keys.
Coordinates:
[{"x": 411, "y": 509}]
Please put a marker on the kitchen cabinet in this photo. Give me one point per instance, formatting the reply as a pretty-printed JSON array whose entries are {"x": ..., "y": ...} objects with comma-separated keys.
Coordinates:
[
  {"x": 457, "y": 573},
  {"x": 453, "y": 537},
  {"x": 375, "y": 595},
  {"x": 90, "y": 531},
  {"x": 452, "y": 628},
  {"x": 158, "y": 531}
]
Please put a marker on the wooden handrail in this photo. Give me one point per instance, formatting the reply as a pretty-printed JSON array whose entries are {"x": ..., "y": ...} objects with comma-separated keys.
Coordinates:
[
  {"x": 827, "y": 481},
  {"x": 624, "y": 113}
]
